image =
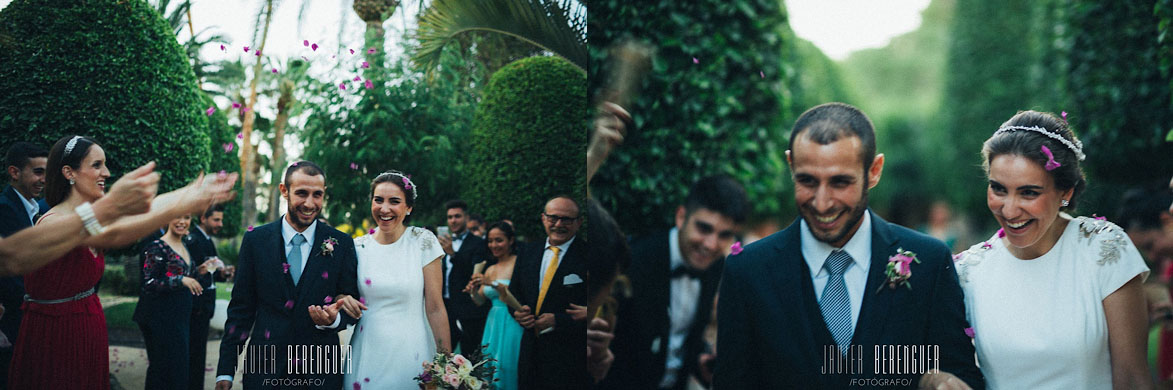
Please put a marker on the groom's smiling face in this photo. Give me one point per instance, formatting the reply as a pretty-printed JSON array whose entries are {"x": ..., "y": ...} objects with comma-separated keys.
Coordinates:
[
  {"x": 305, "y": 195},
  {"x": 831, "y": 185}
]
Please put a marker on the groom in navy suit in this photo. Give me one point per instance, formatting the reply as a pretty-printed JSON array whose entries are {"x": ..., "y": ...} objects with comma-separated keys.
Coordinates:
[
  {"x": 286, "y": 270},
  {"x": 815, "y": 306}
]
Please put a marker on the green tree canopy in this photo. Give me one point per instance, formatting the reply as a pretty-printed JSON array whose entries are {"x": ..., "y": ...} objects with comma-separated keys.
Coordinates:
[
  {"x": 529, "y": 141},
  {"x": 107, "y": 69}
]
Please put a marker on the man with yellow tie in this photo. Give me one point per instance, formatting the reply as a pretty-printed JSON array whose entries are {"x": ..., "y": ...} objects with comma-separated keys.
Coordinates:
[{"x": 550, "y": 280}]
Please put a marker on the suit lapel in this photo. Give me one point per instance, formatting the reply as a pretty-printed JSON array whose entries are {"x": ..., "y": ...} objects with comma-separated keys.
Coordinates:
[
  {"x": 795, "y": 281},
  {"x": 286, "y": 277},
  {"x": 877, "y": 299},
  {"x": 315, "y": 264},
  {"x": 17, "y": 205}
]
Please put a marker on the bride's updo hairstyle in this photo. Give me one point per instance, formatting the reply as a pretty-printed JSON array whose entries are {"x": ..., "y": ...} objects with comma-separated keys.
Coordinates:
[
  {"x": 404, "y": 183},
  {"x": 1026, "y": 133}
]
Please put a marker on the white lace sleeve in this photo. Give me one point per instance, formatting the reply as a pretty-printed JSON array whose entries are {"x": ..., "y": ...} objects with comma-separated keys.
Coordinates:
[
  {"x": 1116, "y": 259},
  {"x": 429, "y": 246}
]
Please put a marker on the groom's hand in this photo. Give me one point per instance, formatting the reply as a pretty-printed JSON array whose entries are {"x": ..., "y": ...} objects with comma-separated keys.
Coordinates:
[
  {"x": 224, "y": 385},
  {"x": 324, "y": 315},
  {"x": 524, "y": 317}
]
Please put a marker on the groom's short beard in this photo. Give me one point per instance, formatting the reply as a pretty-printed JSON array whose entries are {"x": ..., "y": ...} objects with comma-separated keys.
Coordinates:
[{"x": 856, "y": 214}]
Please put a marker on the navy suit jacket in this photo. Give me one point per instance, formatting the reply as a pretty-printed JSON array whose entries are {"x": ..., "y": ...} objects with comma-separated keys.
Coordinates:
[
  {"x": 771, "y": 333},
  {"x": 200, "y": 246},
  {"x": 472, "y": 251},
  {"x": 643, "y": 326},
  {"x": 13, "y": 218},
  {"x": 268, "y": 308}
]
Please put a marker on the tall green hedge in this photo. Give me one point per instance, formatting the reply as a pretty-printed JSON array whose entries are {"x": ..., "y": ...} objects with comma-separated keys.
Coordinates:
[
  {"x": 529, "y": 141},
  {"x": 717, "y": 100},
  {"x": 1118, "y": 95},
  {"x": 108, "y": 69}
]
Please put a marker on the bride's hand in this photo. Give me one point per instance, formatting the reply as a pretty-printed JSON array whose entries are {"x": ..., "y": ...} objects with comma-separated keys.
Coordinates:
[
  {"x": 324, "y": 315},
  {"x": 352, "y": 307}
]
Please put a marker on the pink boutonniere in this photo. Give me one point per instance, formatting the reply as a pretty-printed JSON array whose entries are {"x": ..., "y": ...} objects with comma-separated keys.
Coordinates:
[
  {"x": 899, "y": 268},
  {"x": 328, "y": 246}
]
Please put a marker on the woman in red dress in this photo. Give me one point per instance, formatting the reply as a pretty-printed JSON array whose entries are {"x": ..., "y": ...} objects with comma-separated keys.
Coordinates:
[{"x": 63, "y": 342}]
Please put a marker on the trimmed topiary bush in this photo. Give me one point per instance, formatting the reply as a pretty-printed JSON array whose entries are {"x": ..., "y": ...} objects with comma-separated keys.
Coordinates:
[
  {"x": 529, "y": 141},
  {"x": 107, "y": 69},
  {"x": 221, "y": 133}
]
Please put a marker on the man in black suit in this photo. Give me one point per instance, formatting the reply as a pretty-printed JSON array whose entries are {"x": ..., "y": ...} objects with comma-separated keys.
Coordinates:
[
  {"x": 550, "y": 280},
  {"x": 659, "y": 334},
  {"x": 286, "y": 270},
  {"x": 466, "y": 320},
  {"x": 199, "y": 243},
  {"x": 815, "y": 305},
  {"x": 25, "y": 164}
]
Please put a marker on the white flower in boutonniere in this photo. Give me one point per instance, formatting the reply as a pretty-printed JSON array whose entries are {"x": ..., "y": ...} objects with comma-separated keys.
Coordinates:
[
  {"x": 328, "y": 246},
  {"x": 899, "y": 269}
]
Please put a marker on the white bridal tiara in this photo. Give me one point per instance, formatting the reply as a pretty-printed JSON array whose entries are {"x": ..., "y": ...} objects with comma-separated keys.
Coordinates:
[{"x": 1076, "y": 147}]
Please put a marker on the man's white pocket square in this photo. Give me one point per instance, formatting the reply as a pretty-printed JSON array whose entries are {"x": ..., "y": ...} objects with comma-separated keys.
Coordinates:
[{"x": 571, "y": 279}]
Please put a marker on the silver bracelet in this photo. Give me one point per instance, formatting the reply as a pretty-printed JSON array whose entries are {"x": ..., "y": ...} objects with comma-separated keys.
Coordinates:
[{"x": 86, "y": 212}]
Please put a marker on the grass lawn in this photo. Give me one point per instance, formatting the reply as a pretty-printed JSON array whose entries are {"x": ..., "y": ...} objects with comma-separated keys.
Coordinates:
[
  {"x": 119, "y": 316},
  {"x": 223, "y": 290}
]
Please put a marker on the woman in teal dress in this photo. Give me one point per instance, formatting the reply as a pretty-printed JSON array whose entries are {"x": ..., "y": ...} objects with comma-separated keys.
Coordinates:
[{"x": 502, "y": 335}]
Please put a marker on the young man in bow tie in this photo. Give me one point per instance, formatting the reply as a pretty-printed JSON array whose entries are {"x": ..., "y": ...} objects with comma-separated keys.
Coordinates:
[{"x": 659, "y": 335}]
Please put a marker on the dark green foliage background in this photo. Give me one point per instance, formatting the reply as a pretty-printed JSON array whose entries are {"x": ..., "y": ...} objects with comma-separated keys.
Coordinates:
[
  {"x": 220, "y": 133},
  {"x": 408, "y": 124},
  {"x": 107, "y": 69},
  {"x": 719, "y": 115},
  {"x": 529, "y": 142}
]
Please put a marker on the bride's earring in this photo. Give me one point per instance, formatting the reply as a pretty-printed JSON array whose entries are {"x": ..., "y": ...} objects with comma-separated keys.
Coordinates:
[
  {"x": 71, "y": 181},
  {"x": 1064, "y": 203}
]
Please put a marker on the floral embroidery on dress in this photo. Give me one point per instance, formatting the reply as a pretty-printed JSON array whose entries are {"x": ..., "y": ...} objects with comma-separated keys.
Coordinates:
[
  {"x": 972, "y": 257},
  {"x": 425, "y": 236},
  {"x": 1112, "y": 238}
]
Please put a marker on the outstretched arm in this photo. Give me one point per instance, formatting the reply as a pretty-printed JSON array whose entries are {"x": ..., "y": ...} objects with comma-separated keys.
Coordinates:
[{"x": 197, "y": 196}]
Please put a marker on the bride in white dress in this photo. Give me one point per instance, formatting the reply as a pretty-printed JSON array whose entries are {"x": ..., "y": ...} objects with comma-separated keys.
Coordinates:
[
  {"x": 400, "y": 282},
  {"x": 1055, "y": 301}
]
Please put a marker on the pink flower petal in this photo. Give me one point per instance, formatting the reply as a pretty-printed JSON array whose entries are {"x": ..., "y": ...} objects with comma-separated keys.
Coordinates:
[
  {"x": 357, "y": 386},
  {"x": 695, "y": 61},
  {"x": 326, "y": 275},
  {"x": 762, "y": 73},
  {"x": 328, "y": 299},
  {"x": 304, "y": 58},
  {"x": 266, "y": 334},
  {"x": 221, "y": 47},
  {"x": 239, "y": 135},
  {"x": 305, "y": 42},
  {"x": 244, "y": 336},
  {"x": 285, "y": 267},
  {"x": 371, "y": 51},
  {"x": 353, "y": 166},
  {"x": 223, "y": 172},
  {"x": 244, "y": 109},
  {"x": 232, "y": 329},
  {"x": 736, "y": 248},
  {"x": 258, "y": 53},
  {"x": 369, "y": 84},
  {"x": 1001, "y": 233},
  {"x": 969, "y": 332},
  {"x": 211, "y": 110},
  {"x": 314, "y": 47},
  {"x": 235, "y": 104},
  {"x": 372, "y": 231},
  {"x": 351, "y": 51},
  {"x": 274, "y": 70},
  {"x": 289, "y": 304},
  {"x": 342, "y": 86},
  {"x": 362, "y": 300},
  {"x": 368, "y": 281},
  {"x": 356, "y": 78},
  {"x": 250, "y": 228},
  {"x": 366, "y": 379},
  {"x": 366, "y": 65},
  {"x": 246, "y": 49},
  {"x": 228, "y": 147}
]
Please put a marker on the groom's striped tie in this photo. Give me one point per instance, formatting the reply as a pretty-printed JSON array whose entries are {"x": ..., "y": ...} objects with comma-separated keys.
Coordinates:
[{"x": 835, "y": 303}]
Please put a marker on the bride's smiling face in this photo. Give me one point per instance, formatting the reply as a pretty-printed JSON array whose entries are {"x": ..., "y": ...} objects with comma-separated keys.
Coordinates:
[
  {"x": 1023, "y": 198},
  {"x": 388, "y": 206}
]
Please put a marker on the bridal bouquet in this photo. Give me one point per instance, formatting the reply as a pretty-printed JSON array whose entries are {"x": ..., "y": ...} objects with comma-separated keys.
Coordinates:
[{"x": 448, "y": 371}]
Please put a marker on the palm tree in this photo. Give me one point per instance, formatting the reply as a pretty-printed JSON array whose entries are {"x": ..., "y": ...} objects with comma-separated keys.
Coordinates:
[
  {"x": 557, "y": 26},
  {"x": 290, "y": 81},
  {"x": 247, "y": 151},
  {"x": 374, "y": 12}
]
